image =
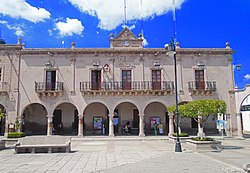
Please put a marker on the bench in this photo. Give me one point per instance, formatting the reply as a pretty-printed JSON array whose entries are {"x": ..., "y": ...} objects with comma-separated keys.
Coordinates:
[
  {"x": 43, "y": 144},
  {"x": 246, "y": 167}
]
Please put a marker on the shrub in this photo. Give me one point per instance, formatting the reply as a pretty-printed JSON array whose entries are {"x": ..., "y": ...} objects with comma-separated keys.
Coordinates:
[
  {"x": 202, "y": 139},
  {"x": 16, "y": 134},
  {"x": 181, "y": 134}
]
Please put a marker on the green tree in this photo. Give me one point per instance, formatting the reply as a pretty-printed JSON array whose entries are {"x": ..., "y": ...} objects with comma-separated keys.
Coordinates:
[
  {"x": 200, "y": 110},
  {"x": 2, "y": 114}
]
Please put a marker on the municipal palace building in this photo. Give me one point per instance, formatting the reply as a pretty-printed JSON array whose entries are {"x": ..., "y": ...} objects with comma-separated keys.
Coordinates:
[{"x": 97, "y": 91}]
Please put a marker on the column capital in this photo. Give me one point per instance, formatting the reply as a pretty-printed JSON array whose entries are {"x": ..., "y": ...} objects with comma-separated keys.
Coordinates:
[
  {"x": 170, "y": 114},
  {"x": 50, "y": 116},
  {"x": 141, "y": 115},
  {"x": 80, "y": 116}
]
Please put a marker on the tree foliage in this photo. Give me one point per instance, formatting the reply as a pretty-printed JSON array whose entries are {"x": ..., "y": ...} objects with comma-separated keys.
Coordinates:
[
  {"x": 200, "y": 108},
  {"x": 2, "y": 114}
]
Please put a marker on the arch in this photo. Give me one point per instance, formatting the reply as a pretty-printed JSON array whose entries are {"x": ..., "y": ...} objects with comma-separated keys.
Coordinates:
[
  {"x": 64, "y": 102},
  {"x": 24, "y": 107},
  {"x": 241, "y": 95},
  {"x": 65, "y": 119},
  {"x": 152, "y": 101},
  {"x": 96, "y": 119},
  {"x": 156, "y": 113},
  {"x": 34, "y": 117},
  {"x": 126, "y": 118},
  {"x": 98, "y": 101},
  {"x": 128, "y": 101}
]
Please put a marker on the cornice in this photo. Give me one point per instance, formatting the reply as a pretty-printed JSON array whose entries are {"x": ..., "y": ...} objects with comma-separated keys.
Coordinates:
[{"x": 193, "y": 51}]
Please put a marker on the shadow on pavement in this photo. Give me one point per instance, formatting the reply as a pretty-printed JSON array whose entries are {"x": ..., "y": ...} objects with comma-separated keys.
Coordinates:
[{"x": 232, "y": 147}]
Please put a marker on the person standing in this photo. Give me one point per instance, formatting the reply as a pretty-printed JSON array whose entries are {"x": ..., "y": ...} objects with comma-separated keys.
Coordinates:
[
  {"x": 155, "y": 128},
  {"x": 160, "y": 127}
]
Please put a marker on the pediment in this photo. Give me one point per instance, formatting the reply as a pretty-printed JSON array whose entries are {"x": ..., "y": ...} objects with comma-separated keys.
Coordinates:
[
  {"x": 125, "y": 39},
  {"x": 125, "y": 34}
]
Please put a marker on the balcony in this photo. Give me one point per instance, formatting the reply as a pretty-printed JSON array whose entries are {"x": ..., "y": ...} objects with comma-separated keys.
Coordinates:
[
  {"x": 127, "y": 88},
  {"x": 49, "y": 89},
  {"x": 4, "y": 87},
  {"x": 201, "y": 87}
]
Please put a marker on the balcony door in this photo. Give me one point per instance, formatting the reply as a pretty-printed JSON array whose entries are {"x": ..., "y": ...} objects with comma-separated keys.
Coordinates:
[
  {"x": 126, "y": 79},
  {"x": 156, "y": 79},
  {"x": 50, "y": 80},
  {"x": 96, "y": 79},
  {"x": 199, "y": 79}
]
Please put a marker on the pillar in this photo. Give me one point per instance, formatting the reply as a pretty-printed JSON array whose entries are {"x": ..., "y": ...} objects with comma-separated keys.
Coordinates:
[
  {"x": 171, "y": 124},
  {"x": 111, "y": 125},
  {"x": 49, "y": 127},
  {"x": 80, "y": 125},
  {"x": 239, "y": 124},
  {"x": 141, "y": 132}
]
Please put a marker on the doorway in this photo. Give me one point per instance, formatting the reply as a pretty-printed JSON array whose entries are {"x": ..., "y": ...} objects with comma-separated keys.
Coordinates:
[{"x": 57, "y": 120}]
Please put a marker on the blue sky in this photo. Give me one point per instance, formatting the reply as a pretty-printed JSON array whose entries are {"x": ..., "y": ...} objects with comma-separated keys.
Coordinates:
[{"x": 200, "y": 24}]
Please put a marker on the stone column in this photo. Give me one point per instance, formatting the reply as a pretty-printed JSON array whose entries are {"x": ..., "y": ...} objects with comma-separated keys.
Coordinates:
[
  {"x": 141, "y": 132},
  {"x": 239, "y": 124},
  {"x": 49, "y": 126},
  {"x": 111, "y": 125},
  {"x": 80, "y": 125},
  {"x": 171, "y": 124}
]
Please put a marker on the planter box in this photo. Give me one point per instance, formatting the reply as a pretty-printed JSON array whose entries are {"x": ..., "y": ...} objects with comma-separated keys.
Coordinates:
[
  {"x": 184, "y": 139},
  {"x": 205, "y": 145}
]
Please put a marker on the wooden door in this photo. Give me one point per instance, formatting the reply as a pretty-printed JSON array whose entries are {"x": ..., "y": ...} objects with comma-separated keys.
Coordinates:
[
  {"x": 135, "y": 118},
  {"x": 126, "y": 79},
  {"x": 50, "y": 80},
  {"x": 156, "y": 79},
  {"x": 96, "y": 79},
  {"x": 199, "y": 79}
]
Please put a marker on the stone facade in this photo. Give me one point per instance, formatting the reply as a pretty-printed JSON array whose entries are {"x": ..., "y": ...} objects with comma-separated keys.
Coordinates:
[{"x": 111, "y": 86}]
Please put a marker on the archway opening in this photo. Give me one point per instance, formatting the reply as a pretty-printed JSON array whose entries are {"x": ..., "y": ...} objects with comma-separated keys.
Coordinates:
[
  {"x": 35, "y": 119},
  {"x": 96, "y": 119},
  {"x": 245, "y": 114},
  {"x": 65, "y": 119},
  {"x": 126, "y": 119},
  {"x": 155, "y": 115}
]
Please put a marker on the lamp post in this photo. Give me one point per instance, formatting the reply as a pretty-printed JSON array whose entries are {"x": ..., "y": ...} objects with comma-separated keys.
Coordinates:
[{"x": 171, "y": 51}]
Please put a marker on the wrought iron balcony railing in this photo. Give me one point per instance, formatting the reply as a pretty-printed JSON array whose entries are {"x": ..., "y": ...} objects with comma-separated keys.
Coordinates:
[
  {"x": 202, "y": 86},
  {"x": 134, "y": 85},
  {"x": 4, "y": 87},
  {"x": 47, "y": 87}
]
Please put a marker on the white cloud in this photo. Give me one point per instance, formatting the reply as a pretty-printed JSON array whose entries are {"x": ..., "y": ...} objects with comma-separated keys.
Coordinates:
[
  {"x": 50, "y": 32},
  {"x": 247, "y": 76},
  {"x": 18, "y": 29},
  {"x": 21, "y": 9},
  {"x": 111, "y": 12},
  {"x": 70, "y": 27}
]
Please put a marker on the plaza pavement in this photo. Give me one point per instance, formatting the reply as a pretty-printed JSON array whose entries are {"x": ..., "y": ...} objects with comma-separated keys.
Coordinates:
[{"x": 129, "y": 155}]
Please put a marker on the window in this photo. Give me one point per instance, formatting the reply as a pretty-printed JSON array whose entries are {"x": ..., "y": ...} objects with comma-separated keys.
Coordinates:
[
  {"x": 50, "y": 80},
  {"x": 96, "y": 79},
  {"x": 1, "y": 72},
  {"x": 126, "y": 79},
  {"x": 199, "y": 79},
  {"x": 156, "y": 79}
]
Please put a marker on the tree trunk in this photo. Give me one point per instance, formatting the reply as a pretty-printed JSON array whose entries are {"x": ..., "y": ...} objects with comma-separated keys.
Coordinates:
[{"x": 200, "y": 133}]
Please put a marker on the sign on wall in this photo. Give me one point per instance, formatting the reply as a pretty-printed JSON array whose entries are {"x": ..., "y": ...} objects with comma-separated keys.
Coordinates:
[
  {"x": 154, "y": 120},
  {"x": 97, "y": 123}
]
